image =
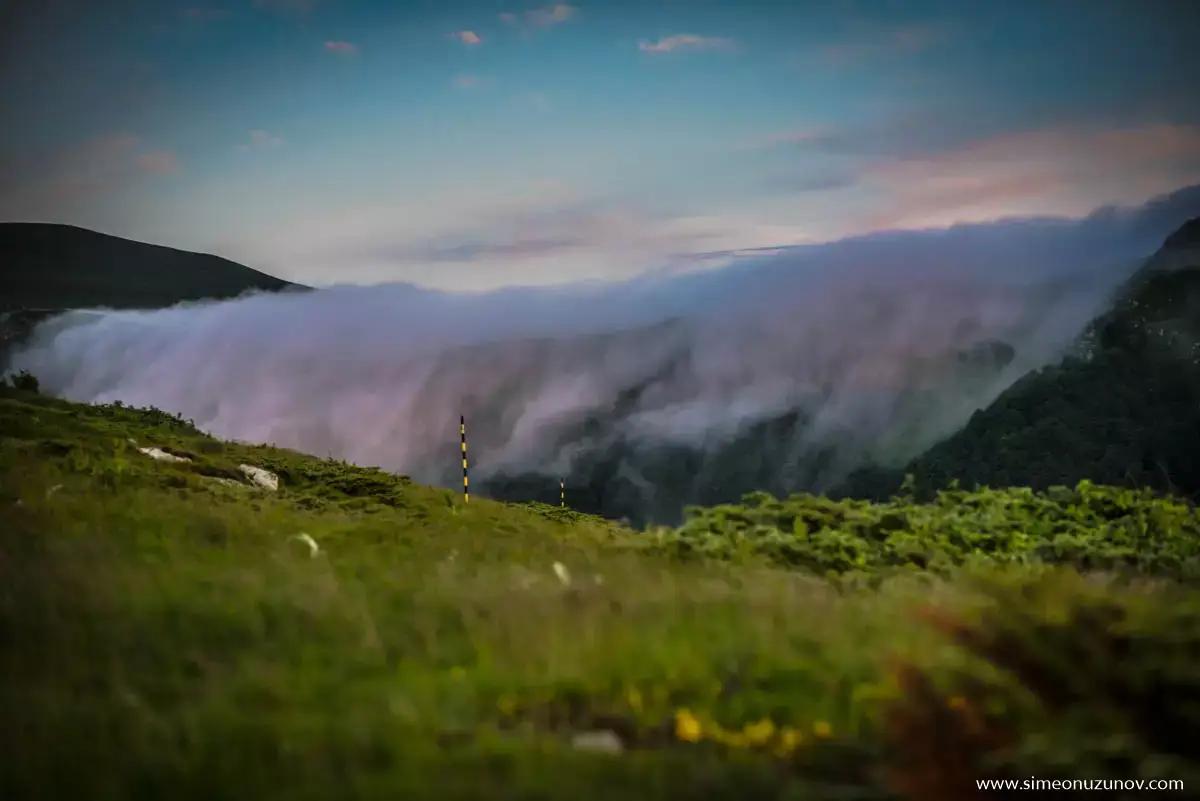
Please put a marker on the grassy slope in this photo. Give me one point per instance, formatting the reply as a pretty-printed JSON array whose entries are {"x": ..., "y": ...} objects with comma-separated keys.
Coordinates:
[{"x": 161, "y": 635}]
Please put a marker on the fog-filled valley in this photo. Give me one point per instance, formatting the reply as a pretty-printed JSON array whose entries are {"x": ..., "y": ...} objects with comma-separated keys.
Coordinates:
[{"x": 784, "y": 371}]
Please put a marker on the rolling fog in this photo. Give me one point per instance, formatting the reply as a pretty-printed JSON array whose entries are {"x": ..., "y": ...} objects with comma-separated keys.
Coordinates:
[{"x": 865, "y": 335}]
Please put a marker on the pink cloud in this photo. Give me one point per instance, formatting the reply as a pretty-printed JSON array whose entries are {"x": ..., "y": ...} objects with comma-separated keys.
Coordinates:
[
  {"x": 159, "y": 162},
  {"x": 1064, "y": 170},
  {"x": 468, "y": 81},
  {"x": 341, "y": 48},
  {"x": 802, "y": 136},
  {"x": 468, "y": 38},
  {"x": 685, "y": 41}
]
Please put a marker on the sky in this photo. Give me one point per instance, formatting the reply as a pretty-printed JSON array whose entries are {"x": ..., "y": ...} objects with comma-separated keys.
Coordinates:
[{"x": 470, "y": 146}]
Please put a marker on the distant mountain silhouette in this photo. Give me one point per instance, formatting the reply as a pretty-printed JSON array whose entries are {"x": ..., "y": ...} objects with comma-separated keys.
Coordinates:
[
  {"x": 50, "y": 266},
  {"x": 1124, "y": 408}
]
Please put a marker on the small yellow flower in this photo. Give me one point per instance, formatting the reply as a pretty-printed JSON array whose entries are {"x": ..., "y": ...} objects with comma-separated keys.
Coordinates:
[
  {"x": 789, "y": 740},
  {"x": 687, "y": 727},
  {"x": 759, "y": 733},
  {"x": 730, "y": 738},
  {"x": 821, "y": 728}
]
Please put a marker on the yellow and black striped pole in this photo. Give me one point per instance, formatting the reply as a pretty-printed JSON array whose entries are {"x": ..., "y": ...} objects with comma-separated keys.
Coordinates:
[{"x": 462, "y": 434}]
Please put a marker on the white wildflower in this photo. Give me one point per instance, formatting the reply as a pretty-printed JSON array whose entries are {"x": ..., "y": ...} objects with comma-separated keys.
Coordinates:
[
  {"x": 313, "y": 548},
  {"x": 602, "y": 741}
]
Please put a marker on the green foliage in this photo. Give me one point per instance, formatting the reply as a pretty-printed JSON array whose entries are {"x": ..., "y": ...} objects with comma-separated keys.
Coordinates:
[
  {"x": 1089, "y": 527},
  {"x": 23, "y": 381},
  {"x": 1116, "y": 419},
  {"x": 1053, "y": 673}
]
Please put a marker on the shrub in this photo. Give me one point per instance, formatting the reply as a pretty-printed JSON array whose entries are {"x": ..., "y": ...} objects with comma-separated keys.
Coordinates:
[
  {"x": 1087, "y": 526},
  {"x": 24, "y": 381}
]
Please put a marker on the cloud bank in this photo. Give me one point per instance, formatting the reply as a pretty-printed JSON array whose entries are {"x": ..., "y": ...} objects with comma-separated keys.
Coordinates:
[{"x": 860, "y": 334}]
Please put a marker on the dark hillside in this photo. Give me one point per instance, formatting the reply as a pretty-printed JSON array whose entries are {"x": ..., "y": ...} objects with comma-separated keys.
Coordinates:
[{"x": 48, "y": 266}]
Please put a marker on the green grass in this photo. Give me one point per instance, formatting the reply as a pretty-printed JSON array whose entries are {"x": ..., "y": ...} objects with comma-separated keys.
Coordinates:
[{"x": 163, "y": 635}]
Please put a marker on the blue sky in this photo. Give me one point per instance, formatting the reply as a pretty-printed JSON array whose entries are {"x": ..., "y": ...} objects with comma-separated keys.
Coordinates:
[{"x": 475, "y": 145}]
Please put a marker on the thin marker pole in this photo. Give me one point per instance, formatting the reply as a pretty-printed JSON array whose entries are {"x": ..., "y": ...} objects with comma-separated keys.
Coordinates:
[
  {"x": 562, "y": 492},
  {"x": 462, "y": 434}
]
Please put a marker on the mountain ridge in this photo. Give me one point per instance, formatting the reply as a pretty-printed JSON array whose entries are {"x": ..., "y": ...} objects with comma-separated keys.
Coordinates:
[{"x": 56, "y": 266}]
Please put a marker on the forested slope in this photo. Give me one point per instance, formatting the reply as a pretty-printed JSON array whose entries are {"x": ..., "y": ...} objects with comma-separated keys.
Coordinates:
[{"x": 1123, "y": 408}]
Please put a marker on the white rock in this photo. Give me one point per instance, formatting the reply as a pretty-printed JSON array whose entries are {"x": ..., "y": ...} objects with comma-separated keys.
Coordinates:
[
  {"x": 259, "y": 477},
  {"x": 160, "y": 455},
  {"x": 563, "y": 574},
  {"x": 602, "y": 741}
]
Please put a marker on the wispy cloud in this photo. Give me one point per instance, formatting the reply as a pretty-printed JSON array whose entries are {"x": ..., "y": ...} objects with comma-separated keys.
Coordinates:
[
  {"x": 518, "y": 233},
  {"x": 287, "y": 6},
  {"x": 684, "y": 41},
  {"x": 468, "y": 81},
  {"x": 801, "y": 136},
  {"x": 476, "y": 238},
  {"x": 919, "y": 130},
  {"x": 538, "y": 101},
  {"x": 813, "y": 180},
  {"x": 467, "y": 37},
  {"x": 522, "y": 247},
  {"x": 261, "y": 140},
  {"x": 900, "y": 40},
  {"x": 550, "y": 15},
  {"x": 542, "y": 17},
  {"x": 341, "y": 48},
  {"x": 203, "y": 14}
]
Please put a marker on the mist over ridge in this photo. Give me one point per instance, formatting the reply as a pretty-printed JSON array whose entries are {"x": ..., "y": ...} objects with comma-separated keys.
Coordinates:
[{"x": 862, "y": 338}]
